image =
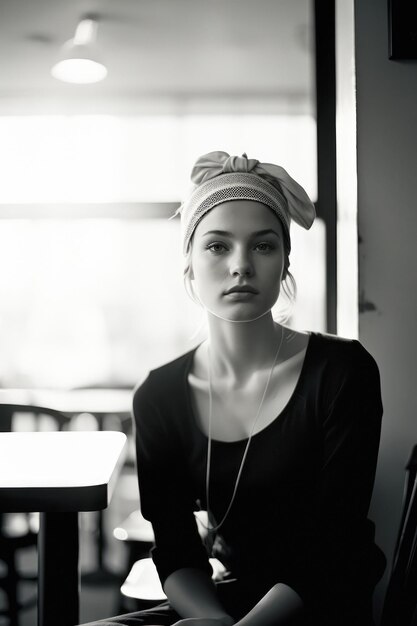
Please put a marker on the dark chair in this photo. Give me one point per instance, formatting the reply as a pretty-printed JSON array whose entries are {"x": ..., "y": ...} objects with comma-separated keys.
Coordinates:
[
  {"x": 15, "y": 535},
  {"x": 401, "y": 595},
  {"x": 19, "y": 531}
]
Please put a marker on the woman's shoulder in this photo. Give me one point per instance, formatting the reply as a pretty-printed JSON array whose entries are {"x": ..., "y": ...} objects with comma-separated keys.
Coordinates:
[
  {"x": 336, "y": 344},
  {"x": 341, "y": 354},
  {"x": 343, "y": 370},
  {"x": 165, "y": 379}
]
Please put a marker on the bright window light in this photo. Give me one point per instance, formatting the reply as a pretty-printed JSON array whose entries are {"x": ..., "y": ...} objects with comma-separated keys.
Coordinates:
[
  {"x": 101, "y": 301},
  {"x": 70, "y": 159}
]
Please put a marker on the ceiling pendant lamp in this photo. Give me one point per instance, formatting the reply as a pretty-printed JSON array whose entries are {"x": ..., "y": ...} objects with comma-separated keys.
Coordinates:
[{"x": 79, "y": 61}]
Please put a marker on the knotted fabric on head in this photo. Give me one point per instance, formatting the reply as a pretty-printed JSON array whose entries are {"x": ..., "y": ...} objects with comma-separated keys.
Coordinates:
[{"x": 219, "y": 177}]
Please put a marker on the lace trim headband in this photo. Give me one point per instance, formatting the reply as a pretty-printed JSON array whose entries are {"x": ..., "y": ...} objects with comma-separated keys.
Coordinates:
[{"x": 219, "y": 178}]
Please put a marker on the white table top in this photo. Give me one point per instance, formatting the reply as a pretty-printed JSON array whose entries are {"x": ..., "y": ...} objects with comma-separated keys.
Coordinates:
[{"x": 59, "y": 471}]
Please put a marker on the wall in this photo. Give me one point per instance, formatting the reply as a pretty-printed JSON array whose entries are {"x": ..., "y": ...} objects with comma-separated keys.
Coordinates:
[
  {"x": 347, "y": 228},
  {"x": 387, "y": 222}
]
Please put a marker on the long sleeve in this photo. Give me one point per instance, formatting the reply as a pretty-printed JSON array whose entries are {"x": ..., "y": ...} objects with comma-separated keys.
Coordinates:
[
  {"x": 164, "y": 484},
  {"x": 334, "y": 556}
]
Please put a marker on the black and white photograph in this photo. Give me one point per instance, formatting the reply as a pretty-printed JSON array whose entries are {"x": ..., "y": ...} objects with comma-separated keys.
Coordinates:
[{"x": 208, "y": 313}]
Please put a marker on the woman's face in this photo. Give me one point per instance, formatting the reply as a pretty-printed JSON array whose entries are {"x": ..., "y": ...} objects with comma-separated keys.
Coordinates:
[{"x": 237, "y": 260}]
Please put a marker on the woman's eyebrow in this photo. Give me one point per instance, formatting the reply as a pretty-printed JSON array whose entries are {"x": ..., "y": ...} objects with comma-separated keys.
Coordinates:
[
  {"x": 223, "y": 233},
  {"x": 258, "y": 233},
  {"x": 267, "y": 231}
]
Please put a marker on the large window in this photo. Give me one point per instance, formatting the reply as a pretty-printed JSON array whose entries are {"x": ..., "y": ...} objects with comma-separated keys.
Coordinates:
[
  {"x": 92, "y": 290},
  {"x": 102, "y": 159}
]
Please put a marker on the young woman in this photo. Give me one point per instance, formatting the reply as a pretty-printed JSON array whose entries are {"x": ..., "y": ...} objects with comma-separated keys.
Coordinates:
[{"x": 274, "y": 432}]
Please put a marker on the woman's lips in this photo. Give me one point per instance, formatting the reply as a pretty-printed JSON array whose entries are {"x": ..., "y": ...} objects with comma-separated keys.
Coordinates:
[
  {"x": 241, "y": 289},
  {"x": 241, "y": 293}
]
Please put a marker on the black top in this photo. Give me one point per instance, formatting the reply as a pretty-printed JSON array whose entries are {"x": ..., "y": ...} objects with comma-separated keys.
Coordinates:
[{"x": 300, "y": 513}]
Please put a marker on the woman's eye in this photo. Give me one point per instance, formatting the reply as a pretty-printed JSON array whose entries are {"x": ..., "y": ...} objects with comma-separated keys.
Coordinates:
[
  {"x": 216, "y": 247},
  {"x": 264, "y": 246}
]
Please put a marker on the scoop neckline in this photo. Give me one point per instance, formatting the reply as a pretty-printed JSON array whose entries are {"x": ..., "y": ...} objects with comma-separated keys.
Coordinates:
[{"x": 285, "y": 409}]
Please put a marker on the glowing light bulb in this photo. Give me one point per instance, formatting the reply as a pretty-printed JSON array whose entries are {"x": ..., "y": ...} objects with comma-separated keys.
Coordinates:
[{"x": 79, "y": 63}]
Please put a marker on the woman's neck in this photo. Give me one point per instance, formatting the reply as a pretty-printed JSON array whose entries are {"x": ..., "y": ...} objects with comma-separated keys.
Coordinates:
[{"x": 238, "y": 349}]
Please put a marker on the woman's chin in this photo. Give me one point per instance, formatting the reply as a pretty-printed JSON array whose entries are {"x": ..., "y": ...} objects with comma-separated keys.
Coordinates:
[{"x": 239, "y": 314}]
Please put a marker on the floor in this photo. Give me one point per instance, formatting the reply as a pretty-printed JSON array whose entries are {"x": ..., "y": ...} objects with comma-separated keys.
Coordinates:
[{"x": 97, "y": 599}]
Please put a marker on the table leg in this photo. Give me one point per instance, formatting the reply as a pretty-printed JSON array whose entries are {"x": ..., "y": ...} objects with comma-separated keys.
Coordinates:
[{"x": 59, "y": 580}]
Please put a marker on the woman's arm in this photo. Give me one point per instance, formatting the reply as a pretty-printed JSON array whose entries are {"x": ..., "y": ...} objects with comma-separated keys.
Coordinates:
[
  {"x": 281, "y": 606},
  {"x": 192, "y": 593},
  {"x": 164, "y": 483},
  {"x": 335, "y": 559},
  {"x": 166, "y": 500}
]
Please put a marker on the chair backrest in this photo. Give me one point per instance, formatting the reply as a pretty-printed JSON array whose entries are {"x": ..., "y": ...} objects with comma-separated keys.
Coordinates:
[
  {"x": 8, "y": 410},
  {"x": 401, "y": 596}
]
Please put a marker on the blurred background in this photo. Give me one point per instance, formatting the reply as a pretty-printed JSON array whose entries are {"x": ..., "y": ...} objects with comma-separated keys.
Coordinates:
[
  {"x": 92, "y": 172},
  {"x": 91, "y": 290}
]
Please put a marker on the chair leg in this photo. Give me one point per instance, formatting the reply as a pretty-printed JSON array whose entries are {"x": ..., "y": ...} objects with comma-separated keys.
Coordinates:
[{"x": 11, "y": 591}]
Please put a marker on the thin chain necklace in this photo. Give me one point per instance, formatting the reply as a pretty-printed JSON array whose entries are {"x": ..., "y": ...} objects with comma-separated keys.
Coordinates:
[{"x": 214, "y": 529}]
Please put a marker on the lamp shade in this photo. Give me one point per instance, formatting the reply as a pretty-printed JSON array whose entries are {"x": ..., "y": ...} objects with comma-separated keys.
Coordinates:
[
  {"x": 79, "y": 60},
  {"x": 79, "y": 66}
]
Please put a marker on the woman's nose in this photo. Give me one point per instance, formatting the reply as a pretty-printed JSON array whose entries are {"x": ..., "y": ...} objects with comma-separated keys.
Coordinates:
[{"x": 241, "y": 265}]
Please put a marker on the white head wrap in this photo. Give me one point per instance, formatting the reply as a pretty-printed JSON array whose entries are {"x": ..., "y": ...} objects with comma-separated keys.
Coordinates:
[{"x": 218, "y": 178}]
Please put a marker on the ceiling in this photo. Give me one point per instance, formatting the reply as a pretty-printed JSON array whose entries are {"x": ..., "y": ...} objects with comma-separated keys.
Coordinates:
[{"x": 162, "y": 56}]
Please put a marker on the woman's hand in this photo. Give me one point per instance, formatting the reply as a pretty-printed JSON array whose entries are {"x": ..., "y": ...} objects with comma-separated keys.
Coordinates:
[{"x": 205, "y": 621}]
